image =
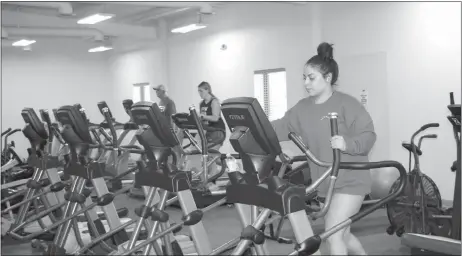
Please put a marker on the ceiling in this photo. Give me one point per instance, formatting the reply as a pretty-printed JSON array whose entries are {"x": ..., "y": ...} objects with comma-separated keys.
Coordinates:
[
  {"x": 134, "y": 22},
  {"x": 129, "y": 13}
]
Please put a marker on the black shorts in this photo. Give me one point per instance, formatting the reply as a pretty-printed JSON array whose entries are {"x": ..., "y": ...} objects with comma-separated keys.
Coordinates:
[{"x": 215, "y": 137}]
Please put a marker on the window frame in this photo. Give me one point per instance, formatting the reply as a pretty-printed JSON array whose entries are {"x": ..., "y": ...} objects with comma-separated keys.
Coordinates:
[
  {"x": 142, "y": 87},
  {"x": 266, "y": 88}
]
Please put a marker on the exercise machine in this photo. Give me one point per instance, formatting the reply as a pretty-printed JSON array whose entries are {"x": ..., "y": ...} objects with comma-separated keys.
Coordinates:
[
  {"x": 257, "y": 144},
  {"x": 200, "y": 179},
  {"x": 422, "y": 244},
  {"x": 135, "y": 191},
  {"x": 10, "y": 158},
  {"x": 14, "y": 172},
  {"x": 44, "y": 191},
  {"x": 117, "y": 162},
  {"x": 419, "y": 209},
  {"x": 156, "y": 172},
  {"x": 80, "y": 167}
]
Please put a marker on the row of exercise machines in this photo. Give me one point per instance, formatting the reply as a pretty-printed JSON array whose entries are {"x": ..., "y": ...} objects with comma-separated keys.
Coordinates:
[{"x": 262, "y": 195}]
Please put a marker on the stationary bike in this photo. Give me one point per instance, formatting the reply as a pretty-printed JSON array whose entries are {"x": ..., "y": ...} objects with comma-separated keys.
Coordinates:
[{"x": 419, "y": 208}]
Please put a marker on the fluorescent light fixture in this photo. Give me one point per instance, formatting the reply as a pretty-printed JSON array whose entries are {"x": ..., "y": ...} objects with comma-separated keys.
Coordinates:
[
  {"x": 23, "y": 42},
  {"x": 188, "y": 28},
  {"x": 95, "y": 18},
  {"x": 100, "y": 49}
]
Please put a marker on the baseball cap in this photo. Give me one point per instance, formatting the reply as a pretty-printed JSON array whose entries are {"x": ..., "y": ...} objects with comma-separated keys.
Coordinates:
[{"x": 160, "y": 87}]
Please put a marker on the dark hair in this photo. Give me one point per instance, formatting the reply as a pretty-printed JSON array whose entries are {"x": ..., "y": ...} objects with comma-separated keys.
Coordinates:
[
  {"x": 206, "y": 86},
  {"x": 325, "y": 62}
]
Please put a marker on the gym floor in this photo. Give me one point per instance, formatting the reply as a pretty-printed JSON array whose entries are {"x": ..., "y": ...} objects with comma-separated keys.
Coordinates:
[{"x": 222, "y": 225}]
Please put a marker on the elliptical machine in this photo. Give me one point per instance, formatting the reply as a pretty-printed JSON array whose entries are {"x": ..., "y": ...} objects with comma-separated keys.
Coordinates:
[
  {"x": 257, "y": 144},
  {"x": 202, "y": 178},
  {"x": 14, "y": 171},
  {"x": 45, "y": 184}
]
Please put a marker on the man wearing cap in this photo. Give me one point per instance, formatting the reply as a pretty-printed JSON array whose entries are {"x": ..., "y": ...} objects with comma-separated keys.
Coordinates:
[{"x": 167, "y": 106}]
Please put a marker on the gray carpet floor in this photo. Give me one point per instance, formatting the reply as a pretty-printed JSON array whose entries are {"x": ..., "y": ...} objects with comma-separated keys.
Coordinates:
[{"x": 222, "y": 224}]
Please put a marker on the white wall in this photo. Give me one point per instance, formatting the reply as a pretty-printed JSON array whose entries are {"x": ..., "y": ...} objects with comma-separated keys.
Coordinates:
[
  {"x": 258, "y": 36},
  {"x": 134, "y": 67},
  {"x": 53, "y": 74},
  {"x": 257, "y": 40},
  {"x": 412, "y": 50},
  {"x": 422, "y": 45}
]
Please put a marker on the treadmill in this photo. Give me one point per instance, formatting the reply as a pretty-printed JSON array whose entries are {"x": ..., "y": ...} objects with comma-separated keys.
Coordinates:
[{"x": 438, "y": 245}]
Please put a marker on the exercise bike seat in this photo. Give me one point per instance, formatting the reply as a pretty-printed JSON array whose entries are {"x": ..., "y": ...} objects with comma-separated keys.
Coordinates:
[{"x": 409, "y": 148}]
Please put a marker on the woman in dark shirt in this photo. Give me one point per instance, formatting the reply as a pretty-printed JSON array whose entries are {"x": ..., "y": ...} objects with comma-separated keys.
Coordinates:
[{"x": 210, "y": 114}]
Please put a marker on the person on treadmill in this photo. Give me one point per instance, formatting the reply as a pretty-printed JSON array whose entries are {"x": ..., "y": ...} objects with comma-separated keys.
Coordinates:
[
  {"x": 210, "y": 114},
  {"x": 167, "y": 106},
  {"x": 355, "y": 140}
]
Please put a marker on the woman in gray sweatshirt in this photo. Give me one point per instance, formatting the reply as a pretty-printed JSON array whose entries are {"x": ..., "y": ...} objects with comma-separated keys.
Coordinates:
[{"x": 355, "y": 140}]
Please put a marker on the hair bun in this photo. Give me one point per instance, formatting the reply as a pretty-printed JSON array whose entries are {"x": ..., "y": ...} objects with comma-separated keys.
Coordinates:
[{"x": 326, "y": 51}]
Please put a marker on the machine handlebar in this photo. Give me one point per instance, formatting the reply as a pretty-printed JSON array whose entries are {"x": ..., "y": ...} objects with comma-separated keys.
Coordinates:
[
  {"x": 336, "y": 152},
  {"x": 5, "y": 132},
  {"x": 82, "y": 112},
  {"x": 108, "y": 116},
  {"x": 413, "y": 146},
  {"x": 46, "y": 118},
  {"x": 200, "y": 129},
  {"x": 429, "y": 136},
  {"x": 430, "y": 125},
  {"x": 13, "y": 132},
  {"x": 10, "y": 132}
]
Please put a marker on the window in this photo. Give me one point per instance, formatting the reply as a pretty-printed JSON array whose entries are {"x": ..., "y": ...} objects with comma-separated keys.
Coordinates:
[
  {"x": 270, "y": 89},
  {"x": 141, "y": 92}
]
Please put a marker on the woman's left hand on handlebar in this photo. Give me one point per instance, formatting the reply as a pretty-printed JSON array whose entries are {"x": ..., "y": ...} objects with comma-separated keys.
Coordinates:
[{"x": 338, "y": 142}]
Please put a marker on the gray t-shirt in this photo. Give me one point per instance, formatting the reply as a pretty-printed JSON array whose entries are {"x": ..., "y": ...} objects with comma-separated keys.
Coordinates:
[{"x": 167, "y": 106}]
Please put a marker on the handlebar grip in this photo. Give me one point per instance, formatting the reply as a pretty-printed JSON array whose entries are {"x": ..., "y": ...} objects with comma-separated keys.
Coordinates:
[
  {"x": 5, "y": 132},
  {"x": 108, "y": 117},
  {"x": 13, "y": 131},
  {"x": 104, "y": 133},
  {"x": 334, "y": 132},
  {"x": 46, "y": 118},
  {"x": 431, "y": 136},
  {"x": 55, "y": 114},
  {"x": 200, "y": 129},
  {"x": 96, "y": 135},
  {"x": 58, "y": 136},
  {"x": 128, "y": 106},
  {"x": 298, "y": 141},
  {"x": 429, "y": 126},
  {"x": 9, "y": 134},
  {"x": 103, "y": 105},
  {"x": 333, "y": 124},
  {"x": 82, "y": 112}
]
